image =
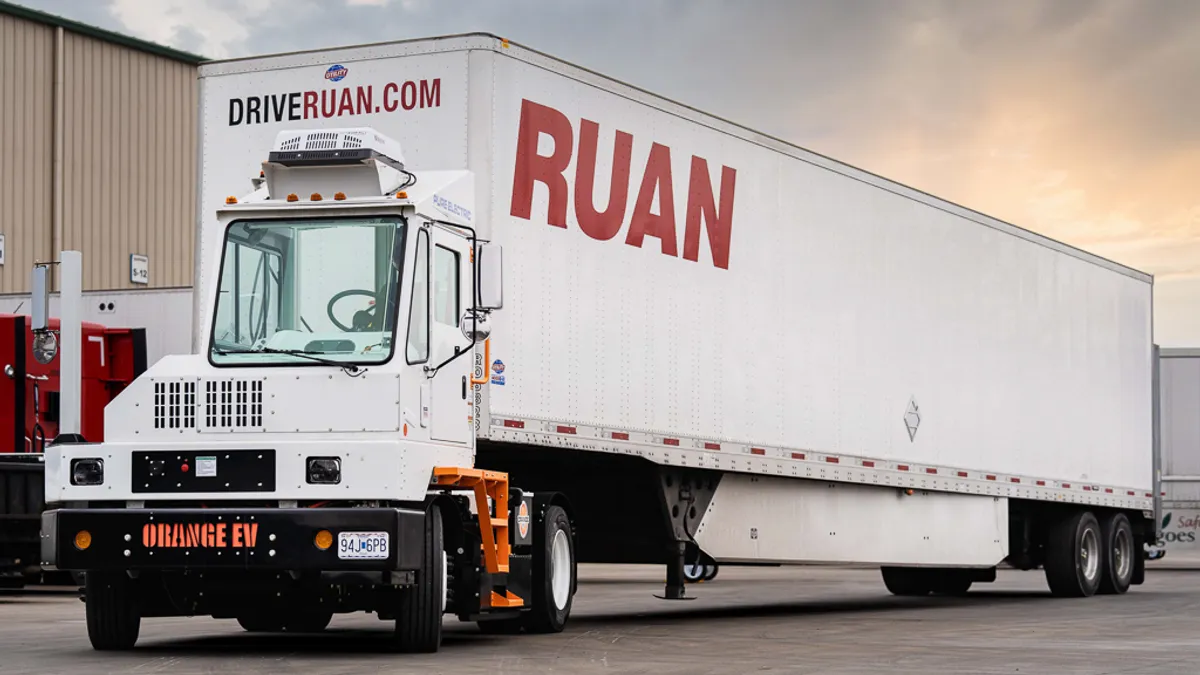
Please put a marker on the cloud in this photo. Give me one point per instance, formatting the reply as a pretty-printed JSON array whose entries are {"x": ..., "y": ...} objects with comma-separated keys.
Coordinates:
[{"x": 1075, "y": 118}]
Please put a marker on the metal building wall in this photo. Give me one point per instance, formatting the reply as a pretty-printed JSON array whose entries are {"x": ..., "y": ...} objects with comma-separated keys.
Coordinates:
[
  {"x": 26, "y": 147},
  {"x": 129, "y": 158},
  {"x": 127, "y": 149}
]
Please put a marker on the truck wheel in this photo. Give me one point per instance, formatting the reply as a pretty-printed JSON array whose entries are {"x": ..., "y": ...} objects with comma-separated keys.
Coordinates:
[
  {"x": 113, "y": 618},
  {"x": 1075, "y": 556},
  {"x": 553, "y": 574},
  {"x": 710, "y": 571},
  {"x": 906, "y": 581},
  {"x": 1119, "y": 554},
  {"x": 419, "y": 619},
  {"x": 260, "y": 623},
  {"x": 309, "y": 621}
]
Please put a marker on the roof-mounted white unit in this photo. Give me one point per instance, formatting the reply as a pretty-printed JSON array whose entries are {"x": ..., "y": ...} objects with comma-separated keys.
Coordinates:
[{"x": 359, "y": 162}]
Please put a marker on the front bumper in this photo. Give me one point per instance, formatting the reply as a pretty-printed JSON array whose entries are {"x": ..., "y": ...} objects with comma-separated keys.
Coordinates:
[{"x": 259, "y": 539}]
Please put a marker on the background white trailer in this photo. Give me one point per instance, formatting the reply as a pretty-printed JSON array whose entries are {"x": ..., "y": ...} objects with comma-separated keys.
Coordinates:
[
  {"x": 684, "y": 292},
  {"x": 1179, "y": 376}
]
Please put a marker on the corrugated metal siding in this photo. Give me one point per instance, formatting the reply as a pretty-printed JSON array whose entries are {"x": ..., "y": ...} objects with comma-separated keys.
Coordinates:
[
  {"x": 26, "y": 147},
  {"x": 129, "y": 163}
]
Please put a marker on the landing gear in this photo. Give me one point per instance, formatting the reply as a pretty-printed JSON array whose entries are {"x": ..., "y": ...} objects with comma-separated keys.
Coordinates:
[{"x": 701, "y": 569}]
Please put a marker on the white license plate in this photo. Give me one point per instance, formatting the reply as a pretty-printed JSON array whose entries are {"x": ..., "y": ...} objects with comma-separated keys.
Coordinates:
[{"x": 360, "y": 545}]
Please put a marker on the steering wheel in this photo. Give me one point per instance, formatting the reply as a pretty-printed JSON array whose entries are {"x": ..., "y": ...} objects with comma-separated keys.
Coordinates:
[{"x": 363, "y": 318}]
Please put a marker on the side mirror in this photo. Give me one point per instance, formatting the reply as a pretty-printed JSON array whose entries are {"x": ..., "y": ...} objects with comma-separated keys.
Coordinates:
[
  {"x": 490, "y": 259},
  {"x": 41, "y": 299},
  {"x": 475, "y": 326}
]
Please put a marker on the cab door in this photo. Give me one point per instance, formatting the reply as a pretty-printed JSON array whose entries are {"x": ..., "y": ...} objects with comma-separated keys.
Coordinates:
[{"x": 451, "y": 282}]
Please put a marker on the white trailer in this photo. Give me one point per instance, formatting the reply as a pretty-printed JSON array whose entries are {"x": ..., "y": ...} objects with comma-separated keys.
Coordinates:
[
  {"x": 1179, "y": 377},
  {"x": 711, "y": 347}
]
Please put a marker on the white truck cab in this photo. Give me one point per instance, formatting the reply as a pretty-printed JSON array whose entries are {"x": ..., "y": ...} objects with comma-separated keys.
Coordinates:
[{"x": 312, "y": 448}]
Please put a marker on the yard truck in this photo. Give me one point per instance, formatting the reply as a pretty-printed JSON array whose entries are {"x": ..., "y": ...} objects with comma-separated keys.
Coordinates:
[{"x": 468, "y": 315}]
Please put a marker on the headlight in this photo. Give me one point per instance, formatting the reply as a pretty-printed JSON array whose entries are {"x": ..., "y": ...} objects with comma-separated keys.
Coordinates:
[
  {"x": 87, "y": 472},
  {"x": 324, "y": 470}
]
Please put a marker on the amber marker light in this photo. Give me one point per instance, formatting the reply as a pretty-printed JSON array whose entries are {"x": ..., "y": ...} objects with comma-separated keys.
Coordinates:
[
  {"x": 323, "y": 540},
  {"x": 83, "y": 539}
]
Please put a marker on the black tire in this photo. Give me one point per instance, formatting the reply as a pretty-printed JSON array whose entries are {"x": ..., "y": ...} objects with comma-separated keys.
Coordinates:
[
  {"x": 308, "y": 621},
  {"x": 544, "y": 614},
  {"x": 260, "y": 623},
  {"x": 1120, "y": 554},
  {"x": 1071, "y": 569},
  {"x": 500, "y": 626},
  {"x": 906, "y": 581},
  {"x": 419, "y": 619},
  {"x": 710, "y": 571},
  {"x": 113, "y": 617}
]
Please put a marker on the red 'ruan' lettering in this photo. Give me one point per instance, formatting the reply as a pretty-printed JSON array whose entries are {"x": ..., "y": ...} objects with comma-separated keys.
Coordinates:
[
  {"x": 346, "y": 107},
  {"x": 706, "y": 209},
  {"x": 656, "y": 179},
  {"x": 548, "y": 170},
  {"x": 700, "y": 204},
  {"x": 602, "y": 225},
  {"x": 310, "y": 105}
]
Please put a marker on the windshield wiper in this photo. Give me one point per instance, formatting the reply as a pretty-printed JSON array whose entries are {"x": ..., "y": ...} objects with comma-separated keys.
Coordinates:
[{"x": 350, "y": 368}]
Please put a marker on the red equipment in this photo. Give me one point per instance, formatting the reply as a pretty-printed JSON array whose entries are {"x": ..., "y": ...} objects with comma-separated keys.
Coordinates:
[{"x": 29, "y": 406}]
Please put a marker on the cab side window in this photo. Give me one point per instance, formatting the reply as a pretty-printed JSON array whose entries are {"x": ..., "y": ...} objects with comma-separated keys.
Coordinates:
[
  {"x": 445, "y": 288},
  {"x": 418, "y": 318}
]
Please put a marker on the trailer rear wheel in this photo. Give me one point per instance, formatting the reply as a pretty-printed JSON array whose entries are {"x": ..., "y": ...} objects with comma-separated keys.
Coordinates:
[
  {"x": 1119, "y": 554},
  {"x": 906, "y": 581},
  {"x": 553, "y": 574},
  {"x": 113, "y": 617},
  {"x": 419, "y": 619},
  {"x": 1075, "y": 555}
]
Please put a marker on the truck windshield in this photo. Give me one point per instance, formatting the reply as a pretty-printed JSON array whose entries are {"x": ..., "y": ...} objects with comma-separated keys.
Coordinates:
[{"x": 308, "y": 292}]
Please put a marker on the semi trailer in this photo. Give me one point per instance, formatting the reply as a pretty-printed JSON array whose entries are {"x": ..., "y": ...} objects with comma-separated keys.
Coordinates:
[
  {"x": 468, "y": 315},
  {"x": 1180, "y": 431}
]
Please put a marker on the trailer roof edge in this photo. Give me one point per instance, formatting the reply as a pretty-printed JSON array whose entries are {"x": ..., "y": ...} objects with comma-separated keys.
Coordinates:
[{"x": 504, "y": 46}]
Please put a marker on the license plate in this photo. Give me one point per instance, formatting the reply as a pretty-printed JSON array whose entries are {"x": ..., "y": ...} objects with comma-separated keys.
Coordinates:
[{"x": 362, "y": 545}]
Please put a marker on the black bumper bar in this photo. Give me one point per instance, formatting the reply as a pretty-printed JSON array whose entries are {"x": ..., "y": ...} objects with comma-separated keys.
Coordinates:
[{"x": 263, "y": 539}]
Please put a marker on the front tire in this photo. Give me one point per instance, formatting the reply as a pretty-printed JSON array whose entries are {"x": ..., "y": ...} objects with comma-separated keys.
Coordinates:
[
  {"x": 1119, "y": 554},
  {"x": 553, "y": 574},
  {"x": 1074, "y": 556},
  {"x": 419, "y": 619},
  {"x": 113, "y": 617}
]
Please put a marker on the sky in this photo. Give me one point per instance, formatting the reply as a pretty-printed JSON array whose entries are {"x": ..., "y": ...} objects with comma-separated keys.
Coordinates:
[{"x": 1078, "y": 119}]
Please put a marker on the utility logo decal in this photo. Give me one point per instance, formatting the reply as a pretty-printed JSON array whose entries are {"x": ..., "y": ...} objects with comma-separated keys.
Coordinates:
[
  {"x": 336, "y": 73},
  {"x": 498, "y": 372},
  {"x": 523, "y": 520}
]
